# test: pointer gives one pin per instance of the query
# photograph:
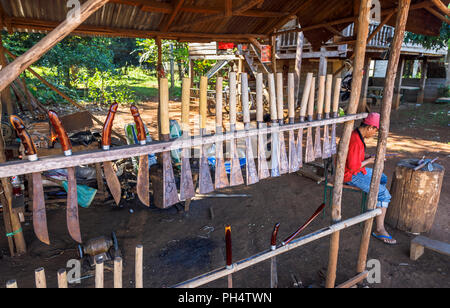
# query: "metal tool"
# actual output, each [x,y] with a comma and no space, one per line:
[320,102]
[250,167]
[303,108]
[293,158]
[170,193]
[275,146]
[99,249]
[205,183]
[73,223]
[273,260]
[187,190]
[263,168]
[326,153]
[284,162]
[309,151]
[39,215]
[143,180]
[221,177]
[336,98]
[110,175]
[236,173]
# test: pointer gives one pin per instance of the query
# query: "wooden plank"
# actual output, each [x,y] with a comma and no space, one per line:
[84,158]
[420,242]
[351,282]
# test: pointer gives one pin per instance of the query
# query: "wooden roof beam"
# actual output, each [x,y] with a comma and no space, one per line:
[438,15]
[442,7]
[177,5]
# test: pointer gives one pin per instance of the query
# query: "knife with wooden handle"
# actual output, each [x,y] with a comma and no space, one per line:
[236,173]
[293,159]
[143,181]
[251,172]
[336,99]
[205,182]
[326,153]
[284,162]
[320,102]
[73,222]
[309,151]
[39,215]
[275,146]
[263,168]
[110,175]
[170,193]
[303,107]
[221,177]
[187,190]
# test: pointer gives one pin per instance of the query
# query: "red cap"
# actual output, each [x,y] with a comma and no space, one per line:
[373,119]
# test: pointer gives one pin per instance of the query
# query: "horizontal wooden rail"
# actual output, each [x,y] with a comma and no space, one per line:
[223,272]
[15,168]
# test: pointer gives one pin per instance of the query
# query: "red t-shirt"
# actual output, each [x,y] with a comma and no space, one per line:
[355,157]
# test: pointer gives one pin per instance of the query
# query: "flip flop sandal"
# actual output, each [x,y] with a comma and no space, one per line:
[383,238]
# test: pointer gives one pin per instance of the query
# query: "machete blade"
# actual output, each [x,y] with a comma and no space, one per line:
[143,181]
[39,215]
[293,159]
[112,181]
[326,143]
[309,151]
[170,187]
[275,157]
[221,177]
[300,148]
[333,140]
[205,184]
[236,178]
[318,144]
[284,163]
[187,190]
[250,167]
[73,223]
[263,168]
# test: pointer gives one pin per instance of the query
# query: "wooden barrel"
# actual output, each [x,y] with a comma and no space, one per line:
[415,196]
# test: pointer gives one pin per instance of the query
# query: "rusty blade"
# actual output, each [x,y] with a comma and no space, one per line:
[263,168]
[112,181]
[275,157]
[221,177]
[300,148]
[318,144]
[326,153]
[73,222]
[333,140]
[250,167]
[293,159]
[284,162]
[170,187]
[143,181]
[39,215]
[309,151]
[187,190]
[205,183]
[235,173]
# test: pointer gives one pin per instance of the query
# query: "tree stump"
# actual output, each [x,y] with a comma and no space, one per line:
[415,196]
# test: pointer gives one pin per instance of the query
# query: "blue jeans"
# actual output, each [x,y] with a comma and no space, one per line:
[362,181]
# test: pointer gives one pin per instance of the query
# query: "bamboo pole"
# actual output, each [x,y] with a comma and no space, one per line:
[62,279]
[139,267]
[118,273]
[360,51]
[14,69]
[386,107]
[39,276]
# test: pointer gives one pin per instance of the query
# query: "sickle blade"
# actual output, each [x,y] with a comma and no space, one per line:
[39,215]
[73,222]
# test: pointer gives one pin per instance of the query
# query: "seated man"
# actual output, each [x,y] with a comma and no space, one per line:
[357,175]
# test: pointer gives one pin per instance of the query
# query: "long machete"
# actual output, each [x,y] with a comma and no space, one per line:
[221,177]
[336,99]
[111,177]
[143,180]
[73,222]
[275,156]
[263,168]
[284,163]
[293,156]
[326,153]
[236,173]
[39,215]
[320,101]
[303,107]
[309,151]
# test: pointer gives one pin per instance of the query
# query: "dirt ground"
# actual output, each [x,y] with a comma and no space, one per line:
[180,245]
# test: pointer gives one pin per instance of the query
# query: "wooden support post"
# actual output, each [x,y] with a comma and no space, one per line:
[358,65]
[398,86]
[14,69]
[363,103]
[298,64]
[402,17]
[118,273]
[323,63]
[423,81]
[274,54]
[6,93]
[139,267]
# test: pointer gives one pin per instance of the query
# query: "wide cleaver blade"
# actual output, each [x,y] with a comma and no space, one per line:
[221,177]
[143,181]
[187,190]
[113,181]
[251,172]
[39,215]
[73,223]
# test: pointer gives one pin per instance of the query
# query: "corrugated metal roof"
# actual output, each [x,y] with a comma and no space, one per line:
[133,20]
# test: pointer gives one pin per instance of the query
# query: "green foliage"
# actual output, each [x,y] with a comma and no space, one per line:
[431,42]
[444,91]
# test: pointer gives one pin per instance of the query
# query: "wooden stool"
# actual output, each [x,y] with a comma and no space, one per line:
[419,243]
